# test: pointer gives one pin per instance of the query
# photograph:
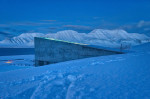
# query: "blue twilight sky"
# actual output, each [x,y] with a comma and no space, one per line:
[50,16]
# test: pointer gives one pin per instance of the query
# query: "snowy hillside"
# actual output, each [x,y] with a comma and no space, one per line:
[101,37]
[23,40]
[124,76]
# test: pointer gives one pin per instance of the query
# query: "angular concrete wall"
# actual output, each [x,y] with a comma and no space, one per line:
[48,51]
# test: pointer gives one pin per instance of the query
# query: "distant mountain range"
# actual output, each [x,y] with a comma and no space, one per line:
[100,37]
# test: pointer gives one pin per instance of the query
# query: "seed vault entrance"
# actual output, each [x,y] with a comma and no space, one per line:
[49,51]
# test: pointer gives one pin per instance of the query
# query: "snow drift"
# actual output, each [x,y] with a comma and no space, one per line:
[101,37]
[123,76]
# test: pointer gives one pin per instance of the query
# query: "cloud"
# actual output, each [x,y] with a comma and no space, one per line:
[14,30]
[78,27]
[48,29]
[3,25]
[25,24]
[3,33]
[52,28]
[147,29]
[6,34]
[48,20]
[139,27]
[29,24]
[143,23]
[96,17]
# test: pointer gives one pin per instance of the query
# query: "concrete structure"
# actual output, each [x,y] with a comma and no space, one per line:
[48,51]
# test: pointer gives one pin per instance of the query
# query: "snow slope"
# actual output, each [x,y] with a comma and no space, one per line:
[124,76]
[101,37]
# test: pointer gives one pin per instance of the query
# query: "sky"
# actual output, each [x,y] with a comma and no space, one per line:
[50,16]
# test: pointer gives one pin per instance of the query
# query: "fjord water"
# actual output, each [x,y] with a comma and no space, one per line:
[16,51]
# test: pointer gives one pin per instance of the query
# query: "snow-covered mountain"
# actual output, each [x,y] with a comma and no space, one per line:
[101,37]
[23,40]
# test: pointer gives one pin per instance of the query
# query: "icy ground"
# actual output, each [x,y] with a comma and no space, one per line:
[8,63]
[124,76]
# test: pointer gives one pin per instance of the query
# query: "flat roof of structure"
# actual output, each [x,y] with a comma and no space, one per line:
[62,41]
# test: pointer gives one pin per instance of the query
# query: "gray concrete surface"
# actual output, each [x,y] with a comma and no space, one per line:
[49,51]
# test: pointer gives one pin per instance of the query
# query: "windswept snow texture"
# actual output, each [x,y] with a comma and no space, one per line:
[101,37]
[124,76]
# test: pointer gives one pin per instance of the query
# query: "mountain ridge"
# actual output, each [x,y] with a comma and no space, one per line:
[100,37]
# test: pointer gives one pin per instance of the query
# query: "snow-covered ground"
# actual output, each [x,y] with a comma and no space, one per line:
[8,63]
[124,76]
